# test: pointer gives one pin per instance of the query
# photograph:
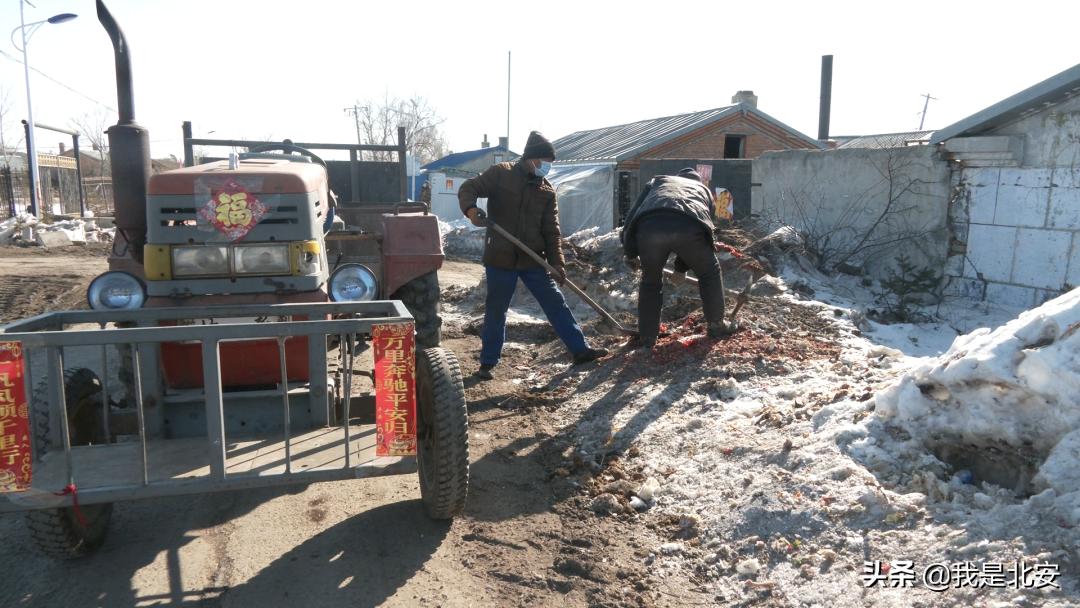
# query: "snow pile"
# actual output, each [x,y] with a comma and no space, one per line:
[1014,388]
[25,229]
[460,238]
[18,228]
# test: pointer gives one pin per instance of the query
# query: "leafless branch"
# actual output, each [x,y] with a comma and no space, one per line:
[377,123]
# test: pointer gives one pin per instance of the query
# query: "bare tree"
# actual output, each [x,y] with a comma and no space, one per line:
[8,144]
[92,126]
[868,222]
[377,124]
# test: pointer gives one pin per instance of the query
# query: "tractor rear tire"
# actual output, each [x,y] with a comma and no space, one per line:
[83,394]
[421,297]
[443,433]
[57,532]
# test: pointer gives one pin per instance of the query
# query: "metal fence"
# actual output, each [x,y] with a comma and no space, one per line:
[14,192]
[59,190]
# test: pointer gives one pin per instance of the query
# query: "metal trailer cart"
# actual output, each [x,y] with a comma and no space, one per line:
[371,406]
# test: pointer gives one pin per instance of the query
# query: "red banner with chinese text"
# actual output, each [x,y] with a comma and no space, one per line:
[15,454]
[395,389]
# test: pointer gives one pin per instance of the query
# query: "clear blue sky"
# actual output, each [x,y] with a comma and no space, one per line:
[256,69]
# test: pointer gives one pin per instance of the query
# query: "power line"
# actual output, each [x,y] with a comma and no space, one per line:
[19,61]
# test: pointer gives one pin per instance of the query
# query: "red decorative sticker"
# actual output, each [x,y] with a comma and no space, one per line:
[395,389]
[232,210]
[15,454]
[705,171]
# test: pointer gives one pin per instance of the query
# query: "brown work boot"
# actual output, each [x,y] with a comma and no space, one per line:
[589,354]
[722,329]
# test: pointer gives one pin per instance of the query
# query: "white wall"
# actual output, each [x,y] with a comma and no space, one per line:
[444,200]
[1019,227]
[1022,234]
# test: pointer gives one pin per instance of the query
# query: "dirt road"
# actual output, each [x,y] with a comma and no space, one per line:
[35,280]
[527,536]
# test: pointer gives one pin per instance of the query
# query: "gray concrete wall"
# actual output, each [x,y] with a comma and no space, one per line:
[836,196]
[1051,137]
[1017,229]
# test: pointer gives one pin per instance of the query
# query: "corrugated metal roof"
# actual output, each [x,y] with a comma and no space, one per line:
[885,140]
[1053,90]
[621,142]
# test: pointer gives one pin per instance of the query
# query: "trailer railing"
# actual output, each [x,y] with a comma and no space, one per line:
[56,332]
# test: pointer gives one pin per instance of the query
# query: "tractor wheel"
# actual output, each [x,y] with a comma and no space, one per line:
[421,297]
[58,532]
[443,433]
[82,392]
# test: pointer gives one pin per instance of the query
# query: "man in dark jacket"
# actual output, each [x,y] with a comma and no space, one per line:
[522,201]
[674,214]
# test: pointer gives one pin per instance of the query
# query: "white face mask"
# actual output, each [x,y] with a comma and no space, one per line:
[543,169]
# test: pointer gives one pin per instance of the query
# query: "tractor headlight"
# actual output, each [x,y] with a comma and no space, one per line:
[262,259]
[116,291]
[353,283]
[201,260]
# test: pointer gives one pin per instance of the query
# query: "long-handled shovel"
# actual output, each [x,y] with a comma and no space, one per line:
[740,300]
[568,282]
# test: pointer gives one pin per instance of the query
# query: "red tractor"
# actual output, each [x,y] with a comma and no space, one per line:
[259,331]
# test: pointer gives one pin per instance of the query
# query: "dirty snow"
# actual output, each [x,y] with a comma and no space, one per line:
[24,229]
[878,444]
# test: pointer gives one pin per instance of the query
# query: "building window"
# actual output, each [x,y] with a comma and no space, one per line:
[734,146]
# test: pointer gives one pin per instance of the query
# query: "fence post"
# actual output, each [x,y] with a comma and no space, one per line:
[78,174]
[9,190]
[30,170]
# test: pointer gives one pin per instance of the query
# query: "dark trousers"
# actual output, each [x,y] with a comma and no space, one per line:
[658,236]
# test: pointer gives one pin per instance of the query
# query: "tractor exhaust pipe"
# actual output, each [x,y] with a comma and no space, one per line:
[129,146]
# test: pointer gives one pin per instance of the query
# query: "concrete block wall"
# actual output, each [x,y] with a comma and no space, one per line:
[840,193]
[1022,235]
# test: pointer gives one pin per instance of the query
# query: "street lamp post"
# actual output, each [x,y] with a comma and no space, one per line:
[27,30]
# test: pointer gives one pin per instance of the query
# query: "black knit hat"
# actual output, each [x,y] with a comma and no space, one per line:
[538,146]
[689,174]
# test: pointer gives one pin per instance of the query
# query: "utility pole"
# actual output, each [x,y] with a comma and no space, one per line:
[927,103]
[507,100]
[355,111]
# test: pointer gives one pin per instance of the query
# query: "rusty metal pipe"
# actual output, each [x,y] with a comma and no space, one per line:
[129,145]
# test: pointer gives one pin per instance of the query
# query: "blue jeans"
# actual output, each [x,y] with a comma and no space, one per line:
[500,289]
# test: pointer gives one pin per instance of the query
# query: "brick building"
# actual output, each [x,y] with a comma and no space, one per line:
[727,138]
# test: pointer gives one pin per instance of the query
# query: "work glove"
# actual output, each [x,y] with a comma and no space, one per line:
[477,217]
[559,276]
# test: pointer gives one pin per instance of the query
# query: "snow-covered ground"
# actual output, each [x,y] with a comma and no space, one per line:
[844,462]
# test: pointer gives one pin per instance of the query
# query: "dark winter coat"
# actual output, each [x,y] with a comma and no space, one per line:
[525,206]
[669,194]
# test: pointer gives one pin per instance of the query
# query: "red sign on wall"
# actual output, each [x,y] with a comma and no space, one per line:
[15,454]
[395,389]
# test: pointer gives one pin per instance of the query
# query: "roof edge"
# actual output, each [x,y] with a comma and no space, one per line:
[724,112]
[1051,88]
